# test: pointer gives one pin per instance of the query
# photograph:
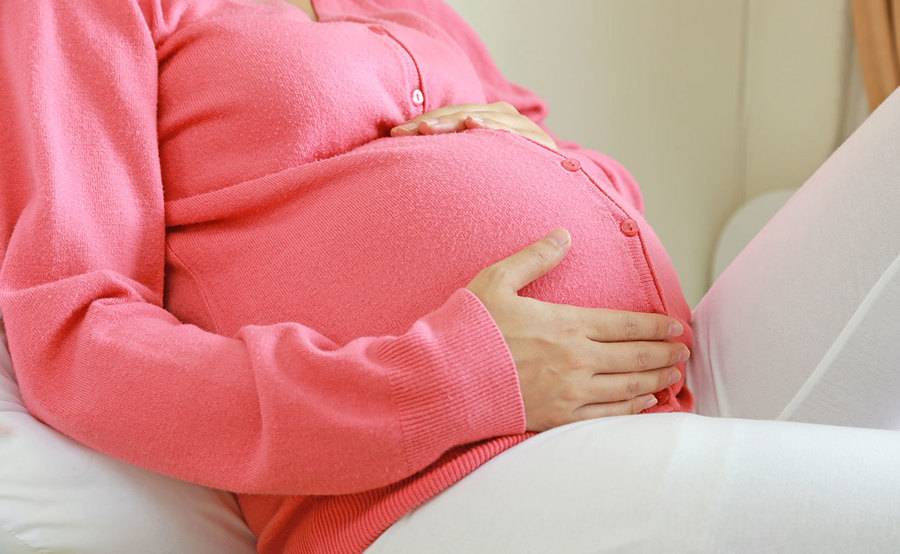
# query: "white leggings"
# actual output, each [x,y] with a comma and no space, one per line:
[796,370]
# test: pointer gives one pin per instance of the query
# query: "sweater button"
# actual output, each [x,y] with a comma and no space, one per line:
[629,227]
[571,164]
[417,97]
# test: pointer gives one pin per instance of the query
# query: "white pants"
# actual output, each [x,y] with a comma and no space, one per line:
[796,369]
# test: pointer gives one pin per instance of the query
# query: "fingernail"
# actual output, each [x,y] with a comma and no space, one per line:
[559,236]
[649,403]
[442,125]
[684,355]
[402,132]
[674,376]
[675,329]
[426,128]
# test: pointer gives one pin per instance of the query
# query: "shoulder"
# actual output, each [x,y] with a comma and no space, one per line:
[101,20]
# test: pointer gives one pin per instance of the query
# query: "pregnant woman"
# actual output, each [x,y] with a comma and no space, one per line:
[225,259]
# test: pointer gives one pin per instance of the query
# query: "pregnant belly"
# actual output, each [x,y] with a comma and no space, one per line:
[367,242]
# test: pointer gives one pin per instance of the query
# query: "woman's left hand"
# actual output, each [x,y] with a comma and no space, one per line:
[450,119]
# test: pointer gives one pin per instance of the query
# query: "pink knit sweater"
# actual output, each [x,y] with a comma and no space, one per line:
[218,265]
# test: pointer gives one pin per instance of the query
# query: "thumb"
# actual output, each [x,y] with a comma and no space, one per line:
[536,259]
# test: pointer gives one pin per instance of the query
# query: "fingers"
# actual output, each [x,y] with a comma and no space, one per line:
[456,113]
[527,264]
[517,124]
[479,119]
[445,124]
[492,118]
[607,325]
[491,121]
[615,387]
[461,121]
[623,357]
[624,407]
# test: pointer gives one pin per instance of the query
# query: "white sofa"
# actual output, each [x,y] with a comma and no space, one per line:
[57,496]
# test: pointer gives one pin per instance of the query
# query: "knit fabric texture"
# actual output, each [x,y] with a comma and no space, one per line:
[218,265]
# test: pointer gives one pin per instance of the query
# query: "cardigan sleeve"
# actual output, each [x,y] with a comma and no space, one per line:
[498,87]
[274,409]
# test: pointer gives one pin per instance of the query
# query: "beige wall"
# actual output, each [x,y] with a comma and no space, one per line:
[707,102]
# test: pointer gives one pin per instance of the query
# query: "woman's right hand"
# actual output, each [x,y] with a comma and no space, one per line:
[574,362]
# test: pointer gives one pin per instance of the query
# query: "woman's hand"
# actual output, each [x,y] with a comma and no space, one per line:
[576,363]
[449,119]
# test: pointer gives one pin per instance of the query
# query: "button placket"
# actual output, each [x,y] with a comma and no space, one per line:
[416,95]
[629,227]
[571,164]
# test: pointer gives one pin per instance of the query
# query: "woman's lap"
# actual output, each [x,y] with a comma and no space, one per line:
[671,482]
[801,327]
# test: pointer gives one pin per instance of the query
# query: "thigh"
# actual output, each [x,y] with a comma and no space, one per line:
[769,332]
[674,482]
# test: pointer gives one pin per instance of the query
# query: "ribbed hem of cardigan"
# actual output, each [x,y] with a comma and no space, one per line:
[456,380]
[350,523]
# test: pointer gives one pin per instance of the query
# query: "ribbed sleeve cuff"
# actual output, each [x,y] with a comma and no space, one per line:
[455,379]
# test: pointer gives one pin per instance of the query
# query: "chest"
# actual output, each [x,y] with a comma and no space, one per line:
[252,89]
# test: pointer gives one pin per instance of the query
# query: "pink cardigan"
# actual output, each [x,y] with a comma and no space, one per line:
[219,266]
